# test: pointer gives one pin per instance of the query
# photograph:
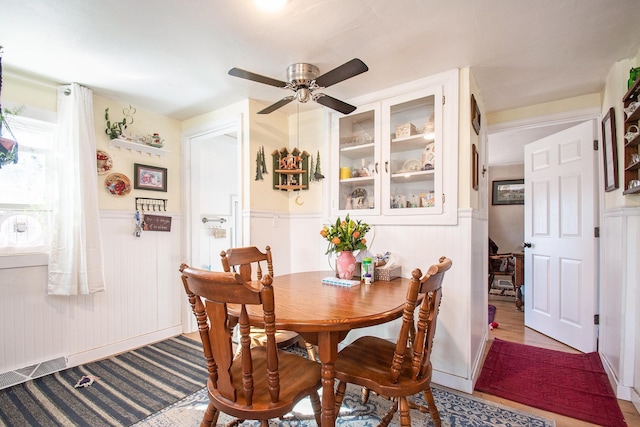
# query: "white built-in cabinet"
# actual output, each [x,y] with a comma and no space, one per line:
[394,160]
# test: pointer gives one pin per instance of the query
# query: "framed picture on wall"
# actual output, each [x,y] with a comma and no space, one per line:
[610,151]
[475,115]
[474,167]
[508,192]
[150,178]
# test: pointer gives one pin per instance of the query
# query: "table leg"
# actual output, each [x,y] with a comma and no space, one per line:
[328,353]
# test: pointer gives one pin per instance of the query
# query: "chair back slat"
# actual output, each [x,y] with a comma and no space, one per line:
[242,260]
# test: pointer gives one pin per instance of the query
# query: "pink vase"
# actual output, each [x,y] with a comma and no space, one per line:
[346,265]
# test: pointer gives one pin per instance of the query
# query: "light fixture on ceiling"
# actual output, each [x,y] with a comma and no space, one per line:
[270,5]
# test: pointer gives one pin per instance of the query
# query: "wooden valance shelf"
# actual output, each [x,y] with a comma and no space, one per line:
[123,144]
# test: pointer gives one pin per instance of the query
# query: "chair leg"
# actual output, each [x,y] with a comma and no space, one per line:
[311,350]
[317,407]
[342,386]
[405,417]
[210,418]
[384,422]
[433,409]
[264,423]
[364,397]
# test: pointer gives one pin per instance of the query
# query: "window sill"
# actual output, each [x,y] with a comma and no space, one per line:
[23,260]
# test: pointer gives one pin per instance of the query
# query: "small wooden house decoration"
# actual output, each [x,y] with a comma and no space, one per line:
[291,170]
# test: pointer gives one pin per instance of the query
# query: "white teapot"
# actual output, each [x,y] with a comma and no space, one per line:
[632,132]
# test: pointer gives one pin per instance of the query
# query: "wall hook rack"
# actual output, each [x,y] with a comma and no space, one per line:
[143,203]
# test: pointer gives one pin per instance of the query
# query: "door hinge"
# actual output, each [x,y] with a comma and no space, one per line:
[596,232]
[596,319]
[595,145]
[443,198]
[444,99]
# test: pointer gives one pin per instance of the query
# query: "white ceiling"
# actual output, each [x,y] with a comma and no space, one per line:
[172,57]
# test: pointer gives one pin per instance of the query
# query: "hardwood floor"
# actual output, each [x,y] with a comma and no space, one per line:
[511,328]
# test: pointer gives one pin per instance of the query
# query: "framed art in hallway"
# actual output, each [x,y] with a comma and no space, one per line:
[150,178]
[610,151]
[508,192]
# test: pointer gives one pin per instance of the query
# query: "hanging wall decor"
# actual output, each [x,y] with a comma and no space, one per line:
[291,170]
[8,146]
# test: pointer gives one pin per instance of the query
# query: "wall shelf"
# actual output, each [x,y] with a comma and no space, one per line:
[123,144]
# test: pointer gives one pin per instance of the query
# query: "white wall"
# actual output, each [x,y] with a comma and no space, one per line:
[138,307]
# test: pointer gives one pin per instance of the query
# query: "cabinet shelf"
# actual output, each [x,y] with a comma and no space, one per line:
[416,176]
[631,147]
[411,142]
[633,167]
[632,190]
[635,141]
[357,179]
[357,151]
[290,187]
[291,171]
[123,144]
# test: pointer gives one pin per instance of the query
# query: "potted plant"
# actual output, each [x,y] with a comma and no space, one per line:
[8,146]
[115,130]
[344,237]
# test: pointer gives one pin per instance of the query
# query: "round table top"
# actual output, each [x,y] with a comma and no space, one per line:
[304,304]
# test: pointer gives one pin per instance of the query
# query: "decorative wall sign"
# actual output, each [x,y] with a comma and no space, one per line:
[157,223]
[149,178]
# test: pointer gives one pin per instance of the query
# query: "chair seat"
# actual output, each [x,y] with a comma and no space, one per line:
[357,364]
[298,378]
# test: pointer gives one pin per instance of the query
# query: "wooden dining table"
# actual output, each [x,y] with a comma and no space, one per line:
[324,314]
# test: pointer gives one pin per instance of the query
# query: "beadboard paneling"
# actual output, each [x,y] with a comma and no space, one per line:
[141,303]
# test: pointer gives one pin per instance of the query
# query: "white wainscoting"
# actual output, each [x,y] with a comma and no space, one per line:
[462,326]
[141,304]
[619,338]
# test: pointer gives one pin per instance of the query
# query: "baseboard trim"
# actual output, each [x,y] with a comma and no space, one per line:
[122,346]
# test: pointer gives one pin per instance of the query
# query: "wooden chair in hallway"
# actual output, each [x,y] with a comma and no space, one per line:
[242,261]
[401,369]
[260,382]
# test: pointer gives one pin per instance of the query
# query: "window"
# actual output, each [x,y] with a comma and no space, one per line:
[25,193]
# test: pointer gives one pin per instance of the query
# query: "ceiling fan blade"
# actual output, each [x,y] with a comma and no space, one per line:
[343,72]
[334,104]
[284,101]
[243,74]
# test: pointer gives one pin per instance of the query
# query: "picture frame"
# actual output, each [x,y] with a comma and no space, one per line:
[475,115]
[474,167]
[508,192]
[610,151]
[149,178]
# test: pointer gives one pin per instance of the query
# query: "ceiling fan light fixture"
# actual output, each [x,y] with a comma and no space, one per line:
[270,5]
[303,95]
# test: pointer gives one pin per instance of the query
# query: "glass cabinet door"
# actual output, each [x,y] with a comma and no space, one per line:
[358,162]
[412,163]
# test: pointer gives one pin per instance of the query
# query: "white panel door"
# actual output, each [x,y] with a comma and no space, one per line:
[560,216]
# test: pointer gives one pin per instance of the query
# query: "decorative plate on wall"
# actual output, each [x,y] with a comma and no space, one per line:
[104,162]
[118,184]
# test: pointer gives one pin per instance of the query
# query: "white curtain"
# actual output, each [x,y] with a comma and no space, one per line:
[75,262]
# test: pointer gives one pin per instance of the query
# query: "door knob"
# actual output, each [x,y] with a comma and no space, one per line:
[526,244]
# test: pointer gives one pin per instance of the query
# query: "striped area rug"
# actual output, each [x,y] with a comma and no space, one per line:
[130,387]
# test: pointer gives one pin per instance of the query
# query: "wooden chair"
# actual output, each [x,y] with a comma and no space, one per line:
[240,260]
[501,264]
[401,369]
[261,382]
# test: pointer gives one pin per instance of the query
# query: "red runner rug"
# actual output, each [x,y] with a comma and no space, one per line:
[574,385]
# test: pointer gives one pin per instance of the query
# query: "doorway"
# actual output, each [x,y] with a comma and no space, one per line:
[505,160]
[213,196]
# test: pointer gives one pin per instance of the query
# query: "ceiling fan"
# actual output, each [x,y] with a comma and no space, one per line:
[304,80]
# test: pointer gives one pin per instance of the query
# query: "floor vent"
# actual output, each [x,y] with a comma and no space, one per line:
[11,378]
